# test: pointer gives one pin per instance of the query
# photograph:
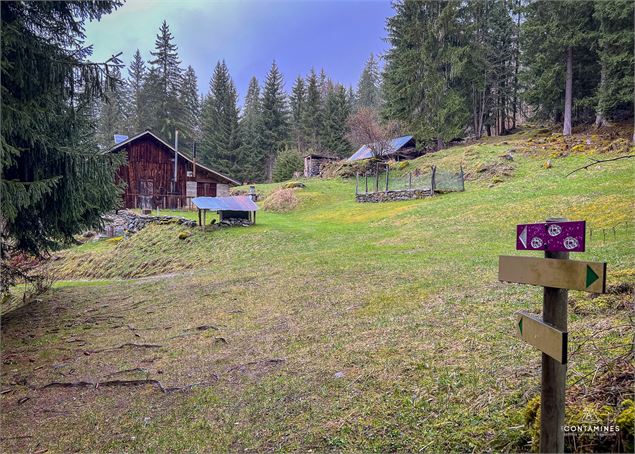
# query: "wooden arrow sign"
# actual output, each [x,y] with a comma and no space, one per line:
[543,336]
[569,274]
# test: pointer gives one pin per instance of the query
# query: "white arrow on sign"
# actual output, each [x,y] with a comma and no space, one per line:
[523,237]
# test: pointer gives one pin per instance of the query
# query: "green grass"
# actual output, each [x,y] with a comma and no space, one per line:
[400,300]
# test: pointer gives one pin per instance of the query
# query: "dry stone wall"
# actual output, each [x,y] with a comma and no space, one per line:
[392,196]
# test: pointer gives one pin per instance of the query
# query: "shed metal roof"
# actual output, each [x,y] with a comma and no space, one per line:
[235,203]
[365,152]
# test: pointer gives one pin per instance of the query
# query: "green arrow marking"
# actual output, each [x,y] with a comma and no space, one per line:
[520,325]
[591,276]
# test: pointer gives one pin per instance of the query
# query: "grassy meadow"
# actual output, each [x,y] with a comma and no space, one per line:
[336,326]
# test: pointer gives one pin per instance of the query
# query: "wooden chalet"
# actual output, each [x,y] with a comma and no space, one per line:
[154,180]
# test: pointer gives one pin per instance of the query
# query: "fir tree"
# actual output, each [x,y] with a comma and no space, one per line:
[274,118]
[137,103]
[352,100]
[312,117]
[165,80]
[615,45]
[560,67]
[424,87]
[189,98]
[251,152]
[220,142]
[297,103]
[113,117]
[368,88]
[54,182]
[336,117]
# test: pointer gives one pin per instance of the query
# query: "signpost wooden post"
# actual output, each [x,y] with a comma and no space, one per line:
[557,274]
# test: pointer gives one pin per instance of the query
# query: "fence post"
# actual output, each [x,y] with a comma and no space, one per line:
[432,180]
[410,180]
[462,178]
[367,182]
[356,182]
[377,177]
[387,176]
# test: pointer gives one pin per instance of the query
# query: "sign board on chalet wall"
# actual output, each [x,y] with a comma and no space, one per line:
[190,189]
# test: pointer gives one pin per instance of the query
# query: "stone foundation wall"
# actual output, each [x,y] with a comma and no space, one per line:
[392,196]
[126,222]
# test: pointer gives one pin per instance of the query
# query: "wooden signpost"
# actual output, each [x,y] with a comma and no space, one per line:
[557,274]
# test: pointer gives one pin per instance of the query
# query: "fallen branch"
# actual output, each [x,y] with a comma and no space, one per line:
[127,344]
[116,383]
[598,161]
[196,330]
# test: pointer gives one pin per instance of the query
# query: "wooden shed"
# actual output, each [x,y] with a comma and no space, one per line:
[157,176]
[313,163]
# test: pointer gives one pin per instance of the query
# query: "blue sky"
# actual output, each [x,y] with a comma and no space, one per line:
[336,35]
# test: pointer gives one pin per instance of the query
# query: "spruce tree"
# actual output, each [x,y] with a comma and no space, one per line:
[423,80]
[352,100]
[274,118]
[615,47]
[297,102]
[54,182]
[560,65]
[369,86]
[113,113]
[336,117]
[312,119]
[220,141]
[165,80]
[137,102]
[189,97]
[251,151]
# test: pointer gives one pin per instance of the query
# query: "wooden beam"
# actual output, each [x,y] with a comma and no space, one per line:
[548,339]
[564,274]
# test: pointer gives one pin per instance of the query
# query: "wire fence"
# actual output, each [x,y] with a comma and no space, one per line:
[432,179]
[603,236]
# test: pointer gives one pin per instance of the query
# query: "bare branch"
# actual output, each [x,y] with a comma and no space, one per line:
[598,161]
[366,129]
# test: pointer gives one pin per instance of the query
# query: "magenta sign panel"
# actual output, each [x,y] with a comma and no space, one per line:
[551,236]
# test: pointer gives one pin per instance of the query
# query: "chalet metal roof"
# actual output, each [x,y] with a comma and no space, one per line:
[365,152]
[184,156]
[235,203]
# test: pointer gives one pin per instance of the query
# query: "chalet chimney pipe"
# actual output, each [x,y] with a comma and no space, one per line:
[194,160]
[176,155]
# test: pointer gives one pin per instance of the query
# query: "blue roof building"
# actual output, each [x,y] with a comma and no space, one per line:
[397,147]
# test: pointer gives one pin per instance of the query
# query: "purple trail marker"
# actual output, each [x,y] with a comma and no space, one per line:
[566,236]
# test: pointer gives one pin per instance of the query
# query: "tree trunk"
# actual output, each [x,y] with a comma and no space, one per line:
[600,119]
[568,93]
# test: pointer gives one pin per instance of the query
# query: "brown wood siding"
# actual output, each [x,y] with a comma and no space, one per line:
[151,167]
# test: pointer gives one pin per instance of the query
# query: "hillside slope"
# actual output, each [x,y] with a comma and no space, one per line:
[335,326]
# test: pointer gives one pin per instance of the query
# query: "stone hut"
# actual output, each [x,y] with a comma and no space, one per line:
[313,163]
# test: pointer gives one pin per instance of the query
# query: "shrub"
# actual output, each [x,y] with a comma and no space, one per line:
[287,163]
[281,200]
[293,184]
